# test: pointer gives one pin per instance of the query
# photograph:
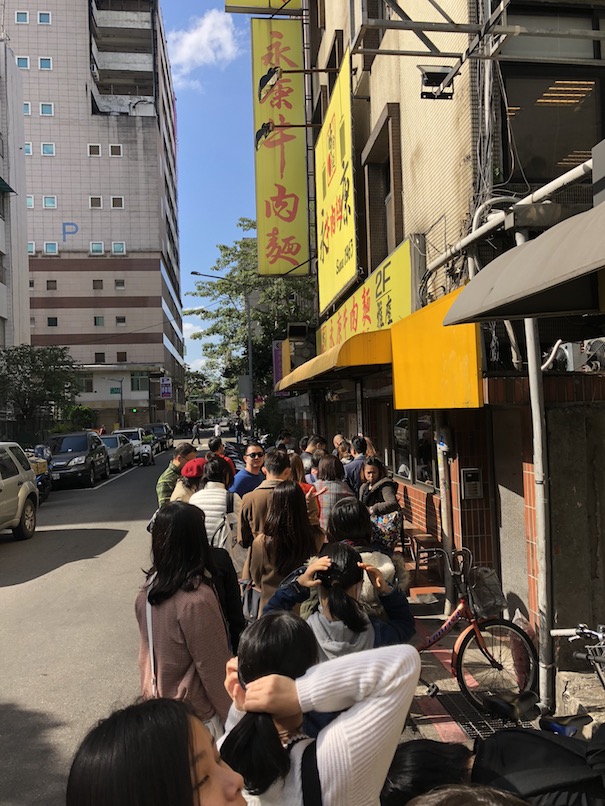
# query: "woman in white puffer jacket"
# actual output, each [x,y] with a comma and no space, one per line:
[220,507]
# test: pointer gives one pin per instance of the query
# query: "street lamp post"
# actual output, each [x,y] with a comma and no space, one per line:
[250,394]
[121,412]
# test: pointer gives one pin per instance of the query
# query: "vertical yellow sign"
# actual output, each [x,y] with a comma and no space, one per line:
[282,209]
[263,6]
[334,192]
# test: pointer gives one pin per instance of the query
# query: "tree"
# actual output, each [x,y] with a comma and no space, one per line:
[199,387]
[274,301]
[33,379]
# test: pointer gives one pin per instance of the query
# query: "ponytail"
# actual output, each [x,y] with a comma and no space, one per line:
[343,573]
[254,749]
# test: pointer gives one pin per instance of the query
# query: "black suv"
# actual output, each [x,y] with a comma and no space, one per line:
[80,457]
[163,434]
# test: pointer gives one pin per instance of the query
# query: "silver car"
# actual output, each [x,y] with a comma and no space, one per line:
[120,451]
[18,492]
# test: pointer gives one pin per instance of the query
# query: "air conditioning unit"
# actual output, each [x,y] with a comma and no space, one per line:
[571,356]
[594,355]
[95,71]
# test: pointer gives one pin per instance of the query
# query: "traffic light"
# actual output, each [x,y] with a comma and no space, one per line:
[134,411]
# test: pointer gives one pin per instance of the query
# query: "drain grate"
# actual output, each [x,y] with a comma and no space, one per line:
[474,722]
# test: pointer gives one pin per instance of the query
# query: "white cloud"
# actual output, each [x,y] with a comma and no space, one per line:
[189,328]
[209,40]
[197,365]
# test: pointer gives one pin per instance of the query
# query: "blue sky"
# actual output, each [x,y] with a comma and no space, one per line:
[210,57]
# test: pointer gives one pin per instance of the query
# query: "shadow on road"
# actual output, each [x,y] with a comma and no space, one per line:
[51,549]
[31,771]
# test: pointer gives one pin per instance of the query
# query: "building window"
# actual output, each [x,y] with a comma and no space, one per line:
[99,321]
[32,321]
[117,202]
[139,382]
[86,384]
[31,283]
[118,248]
[94,150]
[115,150]
[47,149]
[95,202]
[44,18]
[121,357]
[45,63]
[97,248]
[49,202]
[27,149]
[51,285]
[121,321]
[29,202]
[97,285]
[22,17]
[52,321]
[27,108]
[119,285]
[415,449]
[23,62]
[47,109]
[99,358]
[51,248]
[31,250]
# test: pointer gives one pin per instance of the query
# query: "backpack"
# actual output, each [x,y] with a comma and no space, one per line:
[221,536]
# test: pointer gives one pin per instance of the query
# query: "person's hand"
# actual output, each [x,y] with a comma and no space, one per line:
[376,577]
[307,580]
[233,686]
[273,694]
[315,493]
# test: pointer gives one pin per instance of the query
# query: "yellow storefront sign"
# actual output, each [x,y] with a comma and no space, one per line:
[334,193]
[385,298]
[282,209]
[263,6]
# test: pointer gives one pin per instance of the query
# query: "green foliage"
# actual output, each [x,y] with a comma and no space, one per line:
[274,301]
[80,417]
[36,380]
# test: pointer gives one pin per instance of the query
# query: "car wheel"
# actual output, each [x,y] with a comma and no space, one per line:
[27,524]
[120,468]
[92,477]
[107,469]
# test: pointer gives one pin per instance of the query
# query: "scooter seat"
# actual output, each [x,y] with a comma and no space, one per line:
[515,707]
[565,725]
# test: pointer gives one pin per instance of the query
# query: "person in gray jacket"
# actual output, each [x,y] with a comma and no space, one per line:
[378,492]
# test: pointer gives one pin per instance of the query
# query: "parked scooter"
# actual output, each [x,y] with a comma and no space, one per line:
[43,477]
[146,454]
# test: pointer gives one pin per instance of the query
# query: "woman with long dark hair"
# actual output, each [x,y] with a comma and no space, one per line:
[286,542]
[220,507]
[330,475]
[154,753]
[273,686]
[180,608]
[339,623]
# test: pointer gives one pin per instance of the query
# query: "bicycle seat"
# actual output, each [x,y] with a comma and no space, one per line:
[516,707]
[565,725]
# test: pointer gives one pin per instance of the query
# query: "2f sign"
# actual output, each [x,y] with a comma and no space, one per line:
[69,228]
[382,277]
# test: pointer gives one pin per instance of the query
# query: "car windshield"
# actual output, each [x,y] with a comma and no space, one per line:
[68,444]
[157,429]
[111,442]
[131,435]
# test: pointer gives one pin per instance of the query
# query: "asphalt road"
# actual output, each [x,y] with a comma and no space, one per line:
[68,635]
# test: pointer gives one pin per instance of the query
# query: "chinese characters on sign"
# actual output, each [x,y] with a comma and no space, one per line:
[336,241]
[385,298]
[282,210]
[165,387]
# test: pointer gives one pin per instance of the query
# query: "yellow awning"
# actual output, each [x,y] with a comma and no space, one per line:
[363,350]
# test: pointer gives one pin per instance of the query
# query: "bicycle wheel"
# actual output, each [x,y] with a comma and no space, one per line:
[514,667]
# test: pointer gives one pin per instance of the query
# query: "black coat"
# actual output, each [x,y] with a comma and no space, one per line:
[227,588]
[382,497]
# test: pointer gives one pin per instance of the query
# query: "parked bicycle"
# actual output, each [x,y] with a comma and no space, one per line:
[491,656]
[593,653]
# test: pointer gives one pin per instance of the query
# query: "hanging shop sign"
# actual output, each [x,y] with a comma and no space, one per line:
[282,208]
[385,298]
[290,7]
[334,193]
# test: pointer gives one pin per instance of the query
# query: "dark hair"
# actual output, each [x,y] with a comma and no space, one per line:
[373,461]
[421,765]
[349,520]
[214,443]
[316,439]
[343,573]
[253,444]
[303,442]
[276,461]
[359,444]
[180,551]
[216,469]
[138,756]
[297,470]
[183,449]
[289,536]
[317,456]
[467,796]
[330,469]
[278,643]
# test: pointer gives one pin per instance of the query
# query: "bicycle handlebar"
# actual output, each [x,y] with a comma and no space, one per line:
[580,631]
[564,633]
[580,655]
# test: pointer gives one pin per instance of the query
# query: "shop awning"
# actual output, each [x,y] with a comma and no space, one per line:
[552,275]
[363,350]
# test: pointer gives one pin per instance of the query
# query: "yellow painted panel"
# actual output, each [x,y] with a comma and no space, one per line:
[263,6]
[282,208]
[334,193]
[436,367]
[384,298]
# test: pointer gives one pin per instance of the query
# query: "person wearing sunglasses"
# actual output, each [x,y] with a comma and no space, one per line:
[251,476]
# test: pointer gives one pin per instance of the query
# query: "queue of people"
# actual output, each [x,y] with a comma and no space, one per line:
[304,702]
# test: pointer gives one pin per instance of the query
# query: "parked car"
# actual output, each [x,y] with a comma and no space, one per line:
[18,492]
[162,432]
[135,435]
[80,457]
[120,451]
